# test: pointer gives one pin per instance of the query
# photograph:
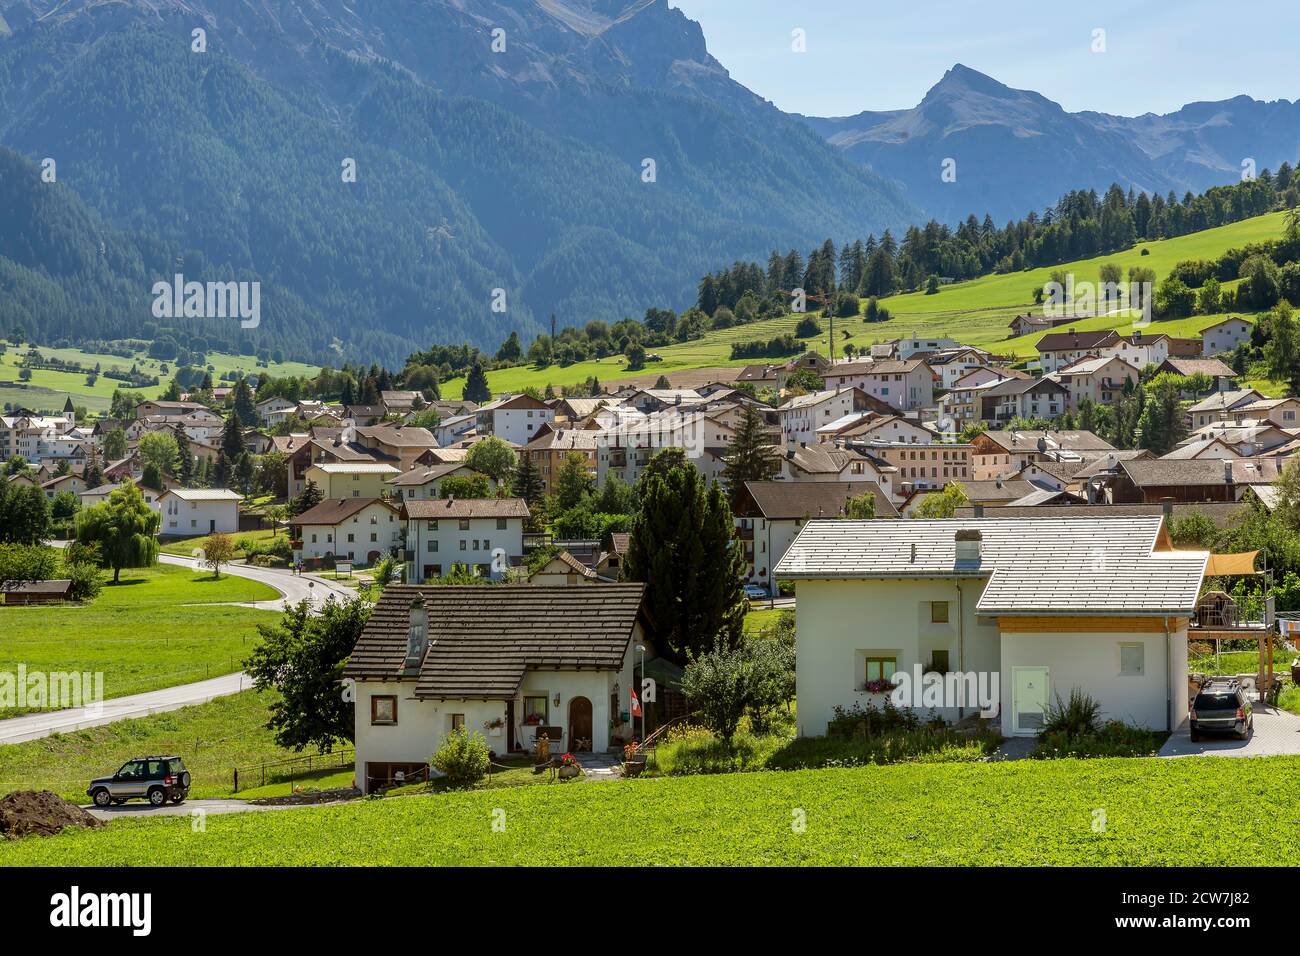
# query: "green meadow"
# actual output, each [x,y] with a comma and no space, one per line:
[157,628]
[1021,813]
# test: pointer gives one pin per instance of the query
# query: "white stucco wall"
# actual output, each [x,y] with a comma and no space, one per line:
[840,623]
[191,518]
[1091,662]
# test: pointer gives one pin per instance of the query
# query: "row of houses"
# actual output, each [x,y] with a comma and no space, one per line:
[879,602]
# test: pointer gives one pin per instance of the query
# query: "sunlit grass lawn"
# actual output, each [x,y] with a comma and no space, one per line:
[1017,813]
[185,547]
[139,633]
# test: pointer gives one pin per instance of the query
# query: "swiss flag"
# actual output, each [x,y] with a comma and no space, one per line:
[636,704]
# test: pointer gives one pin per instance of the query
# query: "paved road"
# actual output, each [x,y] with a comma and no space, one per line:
[139,808]
[1276,733]
[292,587]
[34,726]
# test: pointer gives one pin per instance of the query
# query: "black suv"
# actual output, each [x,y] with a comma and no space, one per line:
[1222,706]
[156,779]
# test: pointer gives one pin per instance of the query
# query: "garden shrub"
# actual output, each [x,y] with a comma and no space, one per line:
[86,581]
[28,562]
[697,751]
[463,757]
[1073,728]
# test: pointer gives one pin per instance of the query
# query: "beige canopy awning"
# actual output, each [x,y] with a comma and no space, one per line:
[1231,565]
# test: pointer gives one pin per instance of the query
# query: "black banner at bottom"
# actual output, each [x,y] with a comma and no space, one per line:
[309,905]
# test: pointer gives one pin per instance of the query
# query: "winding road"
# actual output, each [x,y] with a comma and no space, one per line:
[292,587]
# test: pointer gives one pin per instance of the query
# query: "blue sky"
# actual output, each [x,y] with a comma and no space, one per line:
[864,54]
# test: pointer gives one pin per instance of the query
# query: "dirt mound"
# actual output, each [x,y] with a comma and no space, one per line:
[38,811]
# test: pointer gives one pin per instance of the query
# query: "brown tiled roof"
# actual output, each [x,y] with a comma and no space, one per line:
[620,541]
[483,639]
[399,436]
[334,510]
[997,489]
[573,564]
[1202,366]
[55,586]
[1222,513]
[466,508]
[812,499]
[1201,471]
[561,437]
[421,476]
[1059,341]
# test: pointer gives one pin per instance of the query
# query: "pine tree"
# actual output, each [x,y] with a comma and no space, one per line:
[750,457]
[311,496]
[476,384]
[682,546]
[185,458]
[242,399]
[244,473]
[232,439]
[574,482]
[527,483]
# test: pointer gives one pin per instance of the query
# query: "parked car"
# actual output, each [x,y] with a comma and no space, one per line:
[1221,706]
[156,779]
[756,593]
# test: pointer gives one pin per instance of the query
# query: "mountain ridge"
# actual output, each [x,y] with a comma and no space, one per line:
[986,127]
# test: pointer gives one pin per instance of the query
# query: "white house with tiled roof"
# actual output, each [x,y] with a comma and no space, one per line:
[189,512]
[509,663]
[975,601]
[484,534]
[1224,336]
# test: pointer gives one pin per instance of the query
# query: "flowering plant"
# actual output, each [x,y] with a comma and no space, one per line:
[569,760]
[630,750]
[532,720]
[879,686]
[494,723]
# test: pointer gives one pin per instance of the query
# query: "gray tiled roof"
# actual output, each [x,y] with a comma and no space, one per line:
[1034,565]
[483,639]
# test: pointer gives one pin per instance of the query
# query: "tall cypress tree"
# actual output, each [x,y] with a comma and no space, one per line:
[682,547]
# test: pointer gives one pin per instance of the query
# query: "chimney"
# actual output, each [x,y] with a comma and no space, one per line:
[789,449]
[969,543]
[417,634]
[1167,506]
[979,511]
[1227,471]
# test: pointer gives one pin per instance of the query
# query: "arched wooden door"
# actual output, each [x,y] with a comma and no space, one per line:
[580,724]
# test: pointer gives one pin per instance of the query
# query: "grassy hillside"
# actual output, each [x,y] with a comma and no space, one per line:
[1023,813]
[48,390]
[975,312]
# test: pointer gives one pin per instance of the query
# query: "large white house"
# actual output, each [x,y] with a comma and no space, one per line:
[514,419]
[481,533]
[506,661]
[349,529]
[1045,604]
[188,512]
